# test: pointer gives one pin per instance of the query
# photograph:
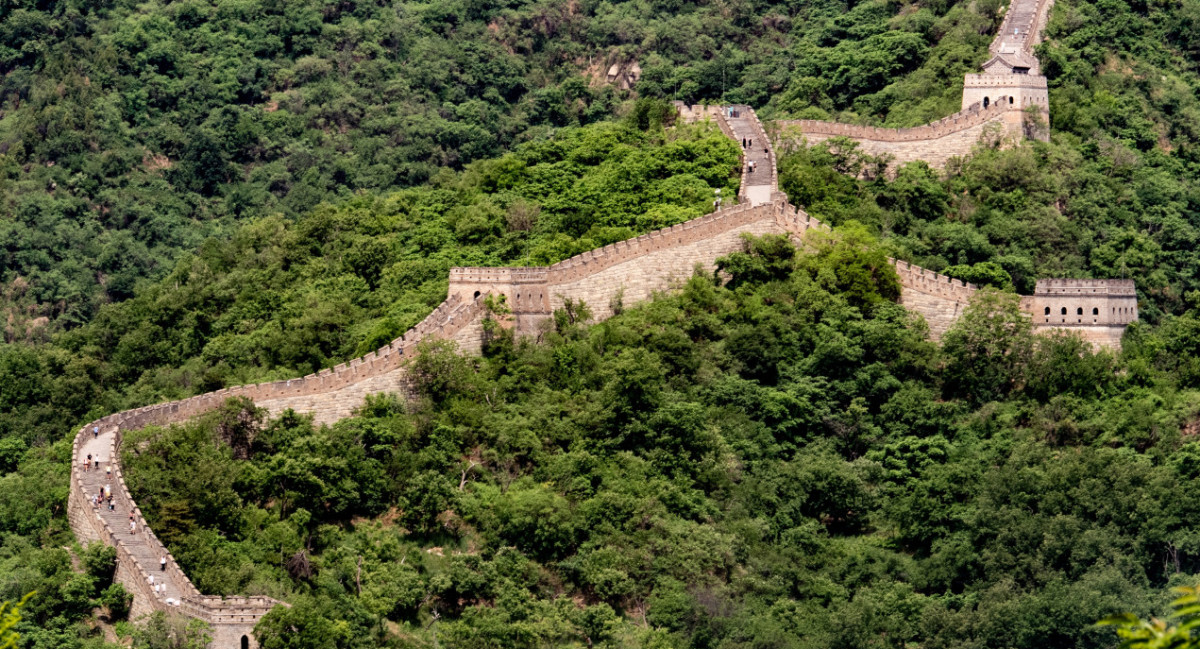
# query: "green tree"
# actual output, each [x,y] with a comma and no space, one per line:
[171,631]
[1177,631]
[10,617]
[988,348]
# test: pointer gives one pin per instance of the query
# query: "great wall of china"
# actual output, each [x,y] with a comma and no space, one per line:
[627,271]
[1009,101]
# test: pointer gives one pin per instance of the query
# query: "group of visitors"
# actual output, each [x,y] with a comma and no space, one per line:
[94,463]
[104,498]
[159,587]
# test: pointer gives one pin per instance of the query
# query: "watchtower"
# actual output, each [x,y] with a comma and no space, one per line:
[1084,302]
[1007,83]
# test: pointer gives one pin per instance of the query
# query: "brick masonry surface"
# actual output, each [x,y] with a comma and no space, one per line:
[627,272]
[996,104]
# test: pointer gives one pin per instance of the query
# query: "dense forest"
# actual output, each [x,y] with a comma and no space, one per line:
[132,131]
[777,460]
[202,194]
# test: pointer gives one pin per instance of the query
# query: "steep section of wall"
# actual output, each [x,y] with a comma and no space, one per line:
[757,185]
[154,586]
[1010,86]
[739,129]
[329,395]
[1022,27]
[630,271]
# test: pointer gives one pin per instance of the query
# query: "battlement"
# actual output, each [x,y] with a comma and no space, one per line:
[633,270]
[988,98]
[927,281]
[1088,287]
[1030,81]
[1064,303]
[973,115]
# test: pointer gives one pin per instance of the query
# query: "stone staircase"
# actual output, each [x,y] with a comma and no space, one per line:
[1022,27]
[759,185]
[140,543]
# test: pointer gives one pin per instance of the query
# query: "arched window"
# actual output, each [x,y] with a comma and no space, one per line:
[1010,101]
[1095,311]
[477,295]
[1047,310]
[1064,310]
[986,101]
[245,642]
[1079,311]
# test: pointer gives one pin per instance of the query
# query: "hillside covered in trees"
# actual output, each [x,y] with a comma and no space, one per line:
[202,194]
[130,132]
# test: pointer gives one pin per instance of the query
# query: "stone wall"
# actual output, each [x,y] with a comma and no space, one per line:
[1084,302]
[1024,90]
[133,569]
[329,395]
[938,298]
[634,270]
[645,266]
[698,113]
[1022,26]
[990,98]
[936,143]
[638,268]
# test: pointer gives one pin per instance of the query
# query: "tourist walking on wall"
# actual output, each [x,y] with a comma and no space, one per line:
[162,563]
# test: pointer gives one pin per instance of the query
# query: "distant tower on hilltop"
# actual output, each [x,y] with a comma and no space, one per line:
[1010,94]
[1013,74]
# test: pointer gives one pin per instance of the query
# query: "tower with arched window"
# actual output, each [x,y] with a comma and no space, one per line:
[1100,309]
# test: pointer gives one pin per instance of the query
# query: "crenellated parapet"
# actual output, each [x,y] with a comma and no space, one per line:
[927,281]
[1011,93]
[607,278]
[139,551]
[1097,309]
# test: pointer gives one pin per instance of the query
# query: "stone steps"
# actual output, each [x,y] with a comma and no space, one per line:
[757,187]
[137,544]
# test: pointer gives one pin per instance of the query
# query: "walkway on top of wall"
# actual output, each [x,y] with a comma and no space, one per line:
[139,543]
[760,183]
[139,552]
[1022,26]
